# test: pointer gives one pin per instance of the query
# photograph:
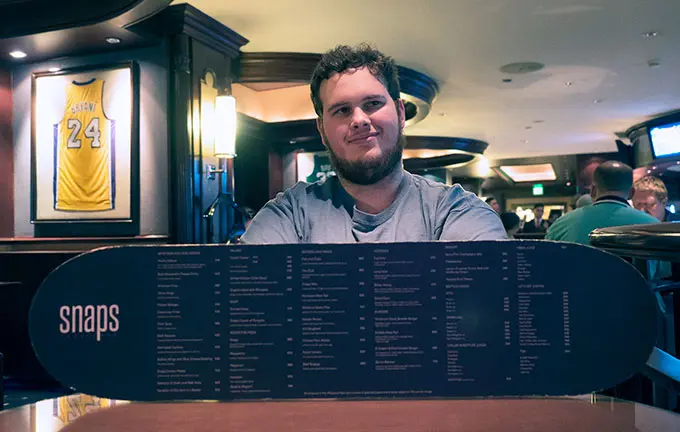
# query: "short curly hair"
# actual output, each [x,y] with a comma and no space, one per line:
[344,57]
[652,184]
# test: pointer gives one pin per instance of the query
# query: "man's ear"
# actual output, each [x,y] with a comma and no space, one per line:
[593,191]
[401,112]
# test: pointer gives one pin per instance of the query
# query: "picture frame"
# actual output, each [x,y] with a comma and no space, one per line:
[85,151]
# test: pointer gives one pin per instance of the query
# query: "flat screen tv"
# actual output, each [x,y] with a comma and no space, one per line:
[665,140]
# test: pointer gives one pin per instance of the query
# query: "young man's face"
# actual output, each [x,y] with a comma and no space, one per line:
[650,204]
[495,206]
[361,126]
[538,212]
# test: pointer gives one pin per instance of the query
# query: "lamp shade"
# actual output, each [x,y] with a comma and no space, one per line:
[225,127]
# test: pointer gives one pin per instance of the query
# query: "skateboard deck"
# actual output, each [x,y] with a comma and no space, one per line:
[387,320]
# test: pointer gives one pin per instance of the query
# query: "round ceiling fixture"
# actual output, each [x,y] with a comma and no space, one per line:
[522,68]
[112,40]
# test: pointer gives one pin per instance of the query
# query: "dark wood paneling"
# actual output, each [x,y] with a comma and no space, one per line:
[275,174]
[181,142]
[252,172]
[276,67]
[186,19]
[6,156]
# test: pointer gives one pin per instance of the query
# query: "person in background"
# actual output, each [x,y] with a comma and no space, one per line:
[584,200]
[651,197]
[493,203]
[537,225]
[510,223]
[554,215]
[361,119]
[612,187]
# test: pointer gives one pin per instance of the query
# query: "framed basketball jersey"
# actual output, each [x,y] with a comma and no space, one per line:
[84,153]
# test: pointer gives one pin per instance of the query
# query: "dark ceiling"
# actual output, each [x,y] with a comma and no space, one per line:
[58,28]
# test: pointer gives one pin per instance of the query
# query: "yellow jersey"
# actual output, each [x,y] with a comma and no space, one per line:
[84,151]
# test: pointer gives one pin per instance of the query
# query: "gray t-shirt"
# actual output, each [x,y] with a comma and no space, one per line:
[423,210]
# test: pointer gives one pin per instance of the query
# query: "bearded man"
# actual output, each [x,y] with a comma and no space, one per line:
[361,118]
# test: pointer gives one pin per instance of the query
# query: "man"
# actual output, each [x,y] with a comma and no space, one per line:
[493,203]
[355,92]
[537,225]
[612,187]
[651,196]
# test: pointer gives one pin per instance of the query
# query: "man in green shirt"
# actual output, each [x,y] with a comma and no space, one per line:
[612,187]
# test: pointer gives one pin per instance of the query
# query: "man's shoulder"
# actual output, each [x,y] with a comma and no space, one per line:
[449,195]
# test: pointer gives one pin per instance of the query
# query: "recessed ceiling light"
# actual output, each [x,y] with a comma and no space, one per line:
[507,80]
[18,54]
[597,101]
[654,63]
[443,114]
[112,40]
[650,34]
[539,121]
[54,69]
[527,127]
[525,141]
[568,83]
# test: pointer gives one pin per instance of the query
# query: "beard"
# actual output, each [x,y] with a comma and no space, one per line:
[367,172]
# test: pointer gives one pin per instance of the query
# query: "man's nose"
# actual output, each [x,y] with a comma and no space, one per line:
[359,119]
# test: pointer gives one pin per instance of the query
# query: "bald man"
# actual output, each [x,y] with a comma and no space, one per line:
[611,189]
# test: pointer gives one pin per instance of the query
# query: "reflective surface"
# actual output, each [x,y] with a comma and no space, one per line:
[86,413]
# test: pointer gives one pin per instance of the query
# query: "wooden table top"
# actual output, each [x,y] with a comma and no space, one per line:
[79,413]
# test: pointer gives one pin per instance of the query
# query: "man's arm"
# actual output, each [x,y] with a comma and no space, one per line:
[470,219]
[274,223]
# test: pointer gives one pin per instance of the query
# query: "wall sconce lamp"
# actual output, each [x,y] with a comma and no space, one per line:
[225,127]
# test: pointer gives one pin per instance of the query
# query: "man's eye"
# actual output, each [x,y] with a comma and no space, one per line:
[374,104]
[341,111]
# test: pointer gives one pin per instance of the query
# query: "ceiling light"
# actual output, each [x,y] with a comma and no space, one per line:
[529,173]
[654,63]
[18,54]
[525,141]
[568,83]
[568,184]
[442,114]
[507,80]
[539,121]
[649,171]
[527,127]
[112,40]
[650,34]
[653,167]
[54,69]
[597,101]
